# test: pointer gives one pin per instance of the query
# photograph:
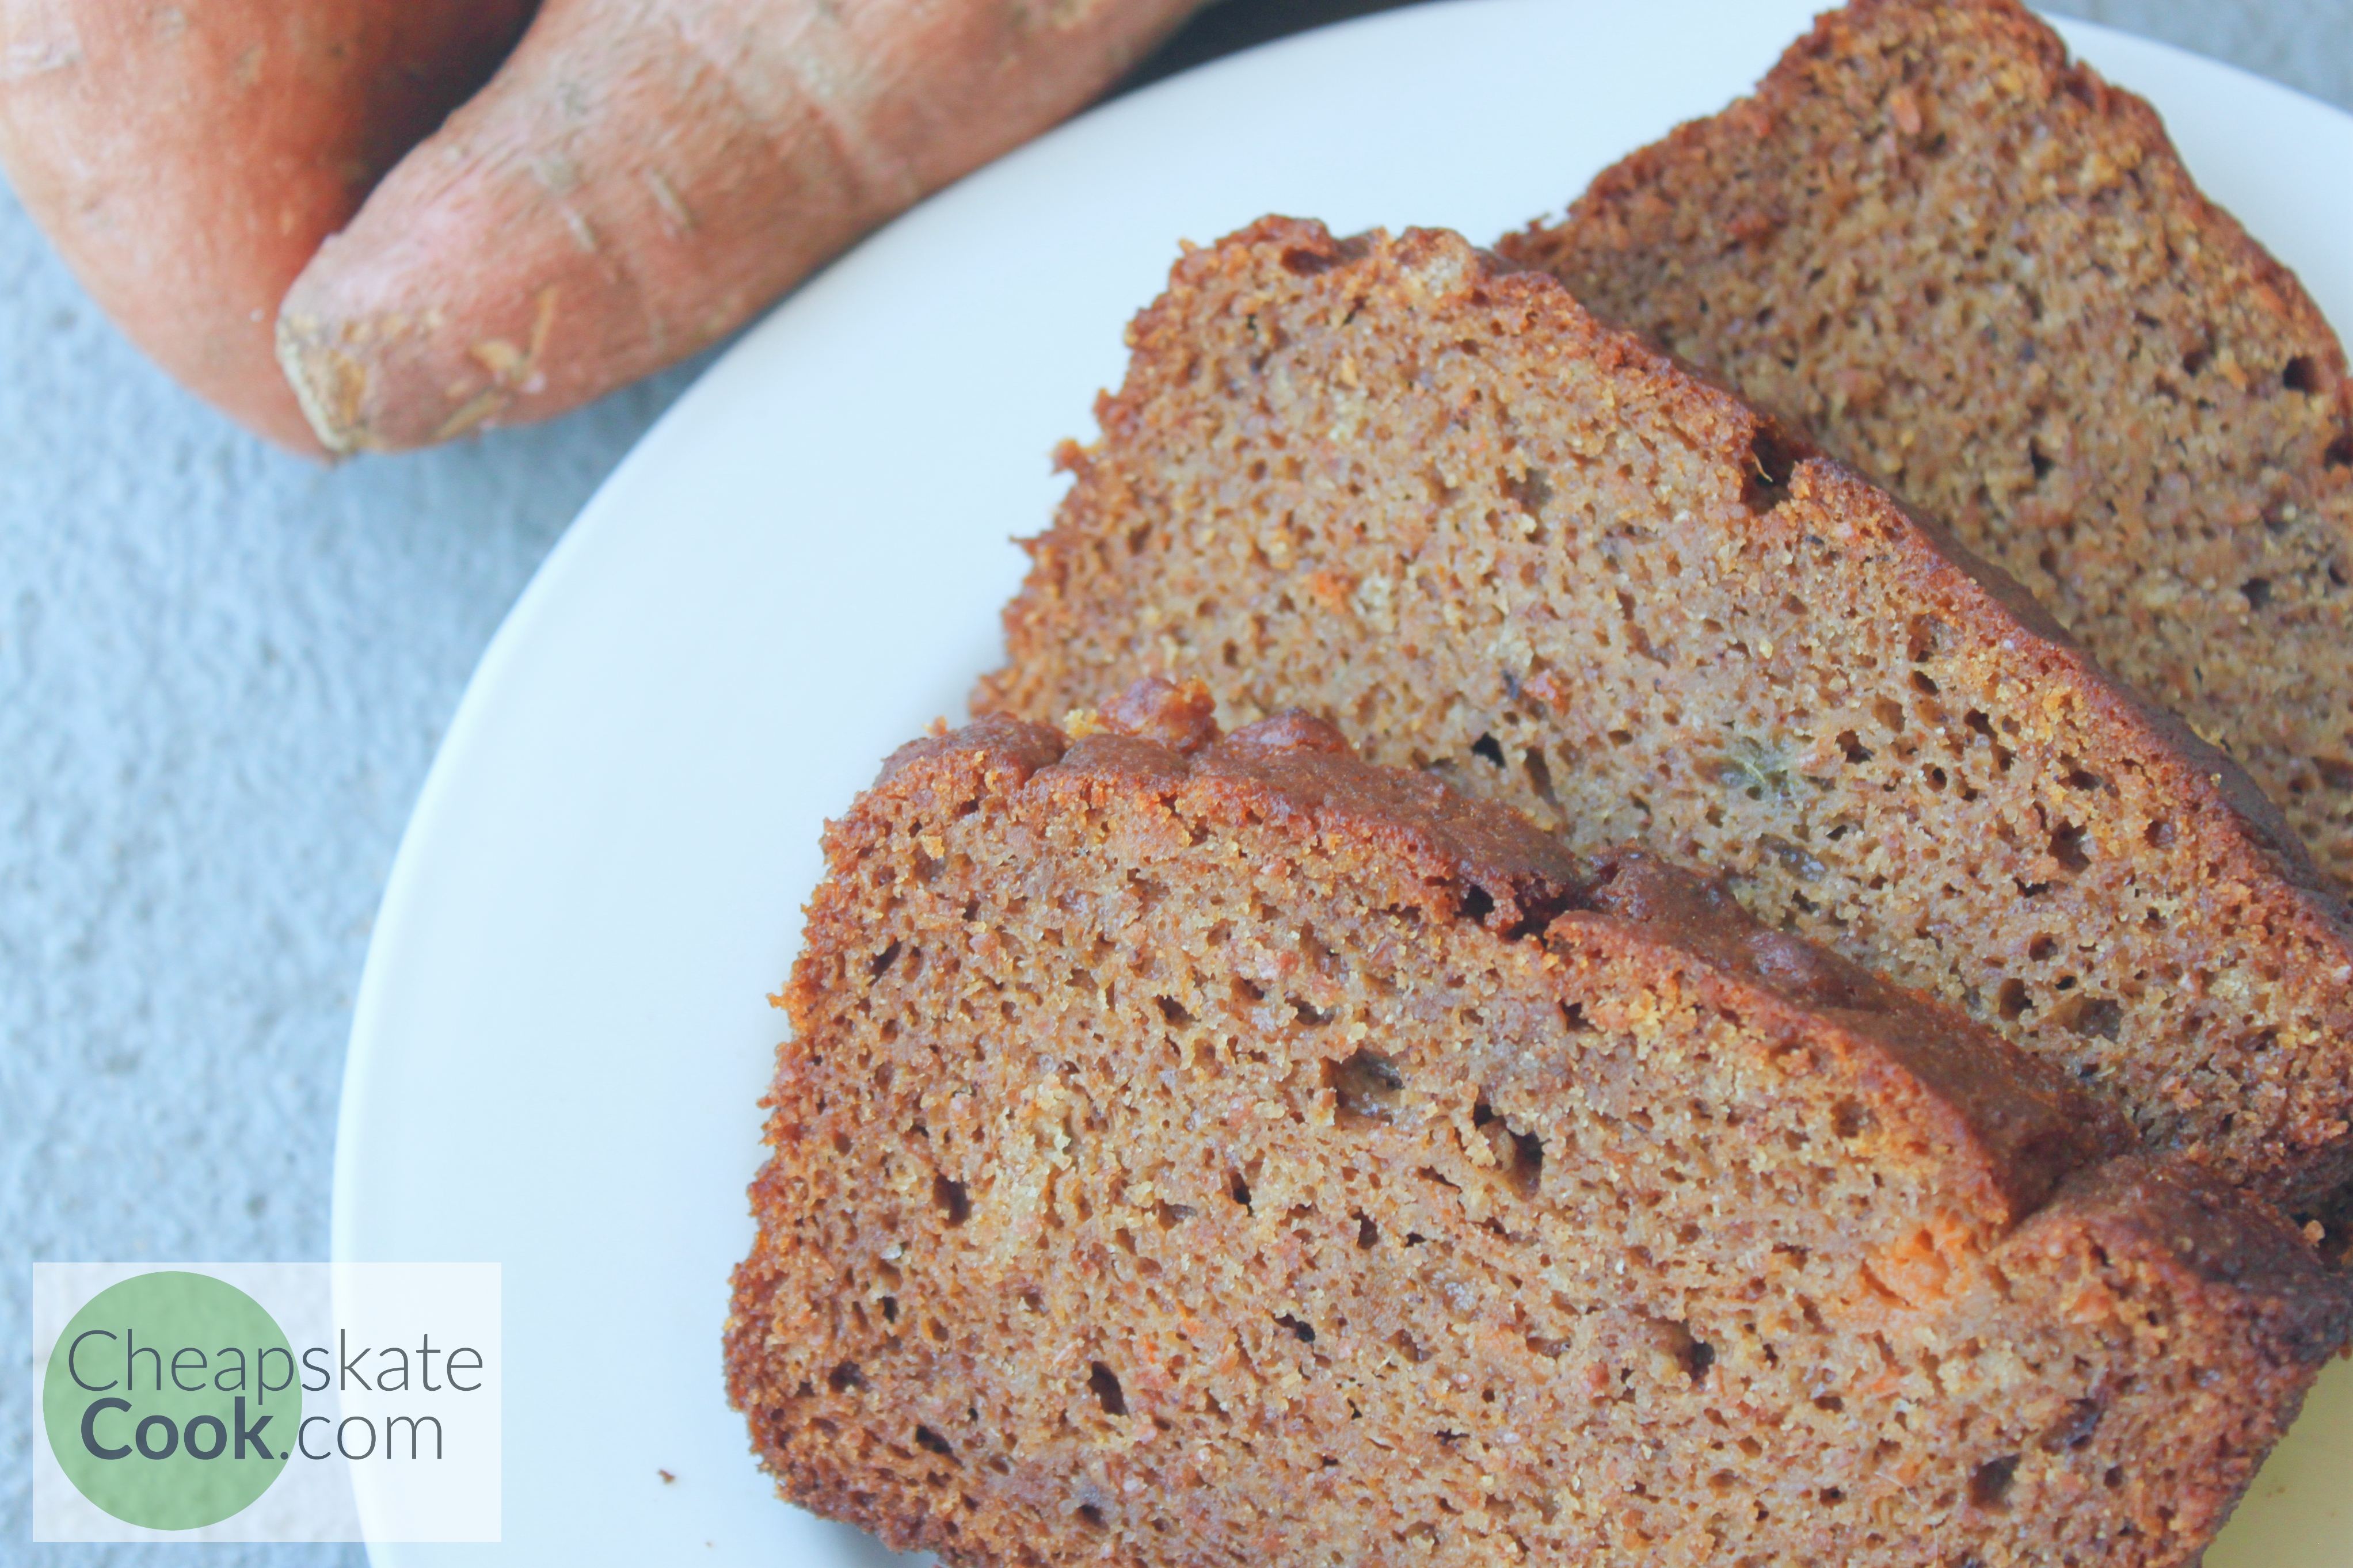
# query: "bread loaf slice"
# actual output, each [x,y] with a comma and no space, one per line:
[1982,274]
[1401,484]
[1218,1151]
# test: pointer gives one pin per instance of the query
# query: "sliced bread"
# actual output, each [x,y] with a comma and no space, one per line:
[1198,1152]
[1982,274]
[1401,484]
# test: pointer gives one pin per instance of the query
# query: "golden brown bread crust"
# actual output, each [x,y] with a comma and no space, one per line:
[2032,1123]
[1403,484]
[1984,274]
[2225,1250]
[1023,1293]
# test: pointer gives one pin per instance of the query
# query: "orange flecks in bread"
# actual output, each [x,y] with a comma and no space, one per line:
[1446,1198]
[2019,310]
[1585,583]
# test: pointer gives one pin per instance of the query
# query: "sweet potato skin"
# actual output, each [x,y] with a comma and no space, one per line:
[642,176]
[187,159]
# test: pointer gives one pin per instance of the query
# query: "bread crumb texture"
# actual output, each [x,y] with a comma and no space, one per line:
[1207,1152]
[1982,274]
[1424,495]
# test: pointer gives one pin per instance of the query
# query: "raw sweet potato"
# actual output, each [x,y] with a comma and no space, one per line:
[643,175]
[187,159]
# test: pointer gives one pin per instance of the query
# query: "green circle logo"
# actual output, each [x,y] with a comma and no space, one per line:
[172,1400]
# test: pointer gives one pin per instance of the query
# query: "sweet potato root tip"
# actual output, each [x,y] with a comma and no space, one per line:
[328,384]
[328,365]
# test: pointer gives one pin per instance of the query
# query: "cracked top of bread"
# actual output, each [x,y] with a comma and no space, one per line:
[1230,1147]
[1423,492]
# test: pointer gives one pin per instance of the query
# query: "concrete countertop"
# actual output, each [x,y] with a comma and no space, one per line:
[223,673]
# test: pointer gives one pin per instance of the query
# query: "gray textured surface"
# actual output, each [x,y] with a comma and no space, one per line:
[222,672]
[2306,44]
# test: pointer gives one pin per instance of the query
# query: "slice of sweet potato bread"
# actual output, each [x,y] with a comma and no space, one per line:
[1400,484]
[1258,1155]
[1983,274]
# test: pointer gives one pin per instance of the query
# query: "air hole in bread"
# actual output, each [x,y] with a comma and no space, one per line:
[1532,490]
[1990,1483]
[2074,1428]
[2067,848]
[1365,1087]
[2011,1001]
[1104,1384]
[1527,1168]
[1771,463]
[1925,638]
[2088,1017]
[1540,774]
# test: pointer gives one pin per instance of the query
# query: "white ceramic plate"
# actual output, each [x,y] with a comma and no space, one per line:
[561,1031]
